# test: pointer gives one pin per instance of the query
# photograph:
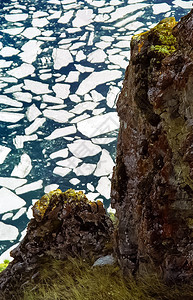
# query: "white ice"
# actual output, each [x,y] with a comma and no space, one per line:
[19,140]
[97,125]
[36,87]
[51,187]
[60,132]
[11,183]
[112,96]
[61,90]
[74,181]
[51,99]
[84,69]
[9,51]
[32,112]
[104,186]
[35,126]
[5,64]
[14,88]
[37,185]
[4,151]
[183,4]
[13,31]
[70,162]
[85,169]
[66,17]
[102,44]
[83,148]
[80,55]
[55,15]
[92,196]
[81,107]
[22,71]
[8,232]
[61,171]
[61,58]
[103,140]
[97,56]
[10,117]
[97,78]
[80,118]
[7,216]
[131,18]
[160,8]
[83,18]
[77,46]
[75,98]
[8,101]
[96,96]
[105,164]
[40,14]
[31,32]
[98,111]
[30,51]
[25,97]
[72,76]
[121,12]
[40,22]
[135,25]
[60,116]
[16,17]
[60,153]
[9,201]
[23,168]
[19,213]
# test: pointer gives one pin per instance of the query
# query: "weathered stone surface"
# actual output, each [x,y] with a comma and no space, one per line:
[64,224]
[152,185]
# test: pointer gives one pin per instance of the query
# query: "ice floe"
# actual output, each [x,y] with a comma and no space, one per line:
[105,164]
[81,107]
[10,117]
[39,22]
[83,148]
[62,90]
[36,87]
[22,71]
[66,17]
[19,140]
[80,55]
[19,213]
[61,171]
[72,76]
[112,96]
[97,56]
[51,99]
[97,78]
[13,31]
[33,112]
[85,169]
[7,216]
[33,186]
[30,51]
[11,183]
[31,32]
[71,162]
[98,125]
[23,168]
[105,140]
[183,4]
[60,132]
[4,151]
[35,126]
[160,8]
[8,232]
[25,97]
[61,58]
[83,17]
[16,17]
[60,153]
[12,201]
[74,181]
[60,116]
[104,186]
[51,187]
[8,51]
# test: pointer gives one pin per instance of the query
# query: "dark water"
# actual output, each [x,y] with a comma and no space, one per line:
[61,69]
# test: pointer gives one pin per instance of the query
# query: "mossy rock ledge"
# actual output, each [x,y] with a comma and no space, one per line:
[152,184]
[65,224]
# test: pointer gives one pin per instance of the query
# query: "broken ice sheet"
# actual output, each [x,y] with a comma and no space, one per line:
[23,168]
[12,201]
[36,87]
[33,186]
[8,51]
[60,153]
[31,32]
[83,18]
[61,58]
[33,112]
[60,116]
[35,126]
[8,232]
[70,162]
[61,171]
[19,140]
[22,71]
[4,151]
[60,132]
[105,164]
[85,169]
[10,117]
[83,148]
[104,186]
[11,183]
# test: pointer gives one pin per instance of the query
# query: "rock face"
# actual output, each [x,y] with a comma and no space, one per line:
[64,224]
[152,185]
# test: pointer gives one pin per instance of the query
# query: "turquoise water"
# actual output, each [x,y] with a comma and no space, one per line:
[62,63]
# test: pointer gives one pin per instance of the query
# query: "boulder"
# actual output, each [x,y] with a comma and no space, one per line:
[152,184]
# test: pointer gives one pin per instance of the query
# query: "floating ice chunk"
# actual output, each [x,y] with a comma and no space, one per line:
[40,14]
[4,151]
[23,168]
[92,196]
[85,169]
[61,78]
[97,56]
[124,10]
[62,90]
[40,22]
[112,96]
[131,18]
[37,185]
[73,76]
[8,101]
[84,69]
[97,125]
[71,162]
[8,51]
[31,50]
[98,111]
[60,116]
[36,87]
[8,232]
[35,126]
[106,9]
[83,148]
[103,140]
[96,96]
[19,140]
[23,71]
[55,15]
[77,46]
[25,97]
[61,171]
[97,78]
[8,79]
[61,153]
[58,106]
[10,117]
[80,118]
[183,4]
[81,107]
[19,213]
[59,132]
[14,88]
[75,98]
[9,201]
[90,187]
[13,31]
[101,18]
[91,39]
[83,18]
[66,17]
[50,188]
[103,45]
[16,17]
[11,183]
[61,58]
[105,164]
[80,56]
[160,8]
[74,181]
[45,76]
[33,112]
[135,25]
[104,186]
[51,99]
[7,216]
[31,32]
[5,64]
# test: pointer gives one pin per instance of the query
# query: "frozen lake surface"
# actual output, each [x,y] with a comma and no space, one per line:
[62,64]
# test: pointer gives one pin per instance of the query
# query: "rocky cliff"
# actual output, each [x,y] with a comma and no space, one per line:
[152,185]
